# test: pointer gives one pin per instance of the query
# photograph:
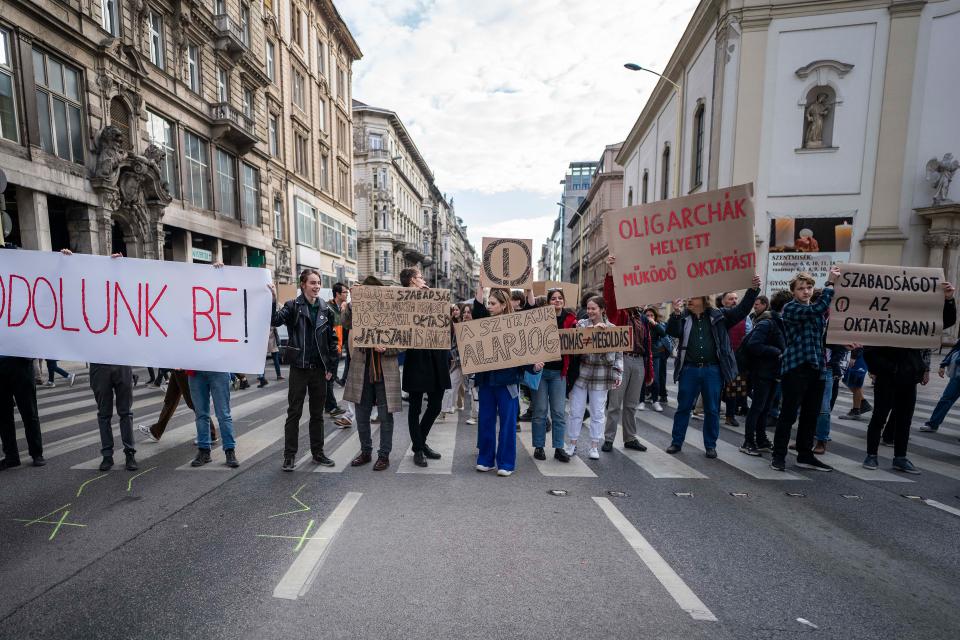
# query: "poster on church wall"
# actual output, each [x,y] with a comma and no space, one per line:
[806,244]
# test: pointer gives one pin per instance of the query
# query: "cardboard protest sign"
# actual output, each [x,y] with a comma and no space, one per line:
[887,306]
[696,245]
[507,263]
[571,290]
[508,340]
[133,312]
[582,340]
[400,317]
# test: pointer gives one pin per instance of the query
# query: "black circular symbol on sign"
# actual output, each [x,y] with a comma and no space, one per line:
[505,280]
[842,304]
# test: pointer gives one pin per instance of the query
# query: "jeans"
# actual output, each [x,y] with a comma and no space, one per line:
[551,394]
[803,392]
[109,381]
[52,368]
[950,395]
[420,425]
[762,394]
[823,420]
[17,384]
[178,387]
[203,385]
[303,381]
[499,451]
[451,395]
[894,396]
[374,393]
[623,400]
[694,381]
[578,402]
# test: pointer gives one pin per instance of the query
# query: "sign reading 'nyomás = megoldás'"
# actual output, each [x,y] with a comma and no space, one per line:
[508,340]
[581,340]
[884,306]
[700,244]
[400,317]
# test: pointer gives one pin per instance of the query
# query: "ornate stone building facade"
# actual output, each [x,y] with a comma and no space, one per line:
[586,225]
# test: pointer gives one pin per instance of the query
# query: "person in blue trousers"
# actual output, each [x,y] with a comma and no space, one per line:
[948,368]
[203,385]
[551,395]
[499,390]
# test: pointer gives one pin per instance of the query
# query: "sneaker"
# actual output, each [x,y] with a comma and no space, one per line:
[263,382]
[658,407]
[539,454]
[244,384]
[130,464]
[322,460]
[672,449]
[288,464]
[820,448]
[71,379]
[635,445]
[107,463]
[50,384]
[147,434]
[870,462]
[730,421]
[809,462]
[203,457]
[778,465]
[904,465]
[9,463]
[594,453]
[865,407]
[338,411]
[607,446]
[641,407]
[561,455]
[853,414]
[696,416]
[38,461]
[750,449]
[570,449]
[503,473]
[929,428]
[711,453]
[471,421]
[484,468]
[232,461]
[764,446]
[343,423]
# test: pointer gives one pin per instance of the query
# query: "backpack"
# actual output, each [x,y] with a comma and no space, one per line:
[743,358]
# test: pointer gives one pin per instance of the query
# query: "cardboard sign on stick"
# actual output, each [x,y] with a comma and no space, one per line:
[886,306]
[696,245]
[571,290]
[508,340]
[400,317]
[582,340]
[507,263]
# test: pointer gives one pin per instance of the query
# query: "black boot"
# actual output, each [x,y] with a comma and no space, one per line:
[131,461]
[107,463]
[232,461]
[418,459]
[203,457]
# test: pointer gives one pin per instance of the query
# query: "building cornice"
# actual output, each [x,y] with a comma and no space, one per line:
[402,133]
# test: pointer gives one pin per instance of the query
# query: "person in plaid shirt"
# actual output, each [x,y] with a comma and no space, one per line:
[801,370]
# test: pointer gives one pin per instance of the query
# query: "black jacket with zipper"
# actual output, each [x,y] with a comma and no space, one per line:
[308,345]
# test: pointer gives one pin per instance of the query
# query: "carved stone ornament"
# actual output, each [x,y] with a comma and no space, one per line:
[940,174]
[840,68]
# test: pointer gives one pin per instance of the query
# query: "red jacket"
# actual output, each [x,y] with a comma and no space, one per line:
[621,318]
[569,322]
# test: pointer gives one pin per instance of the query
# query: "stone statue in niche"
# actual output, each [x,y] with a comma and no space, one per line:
[816,113]
[940,172]
[110,153]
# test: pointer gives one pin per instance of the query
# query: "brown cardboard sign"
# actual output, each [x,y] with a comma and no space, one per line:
[507,263]
[508,340]
[571,291]
[887,306]
[400,317]
[582,340]
[696,245]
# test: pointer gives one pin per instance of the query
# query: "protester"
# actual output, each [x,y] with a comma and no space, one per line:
[831,377]
[760,306]
[736,390]
[375,382]
[552,393]
[499,393]
[452,400]
[469,382]
[18,386]
[599,373]
[312,354]
[853,378]
[339,297]
[274,352]
[178,387]
[656,392]
[425,372]
[801,368]
[898,371]
[705,362]
[204,385]
[52,369]
[948,366]
[345,420]
[763,350]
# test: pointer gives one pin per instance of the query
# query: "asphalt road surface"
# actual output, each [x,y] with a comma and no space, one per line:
[643,545]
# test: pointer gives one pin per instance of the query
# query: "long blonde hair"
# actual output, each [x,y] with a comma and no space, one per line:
[503,297]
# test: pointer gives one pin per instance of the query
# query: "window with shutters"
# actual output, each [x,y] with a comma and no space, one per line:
[120,118]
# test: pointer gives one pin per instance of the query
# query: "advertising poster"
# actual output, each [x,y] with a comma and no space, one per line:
[806,244]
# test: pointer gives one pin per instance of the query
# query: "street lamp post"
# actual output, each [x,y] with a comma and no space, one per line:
[676,164]
[579,226]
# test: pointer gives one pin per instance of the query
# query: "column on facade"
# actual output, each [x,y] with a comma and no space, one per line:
[34,219]
[82,226]
[749,111]
[183,246]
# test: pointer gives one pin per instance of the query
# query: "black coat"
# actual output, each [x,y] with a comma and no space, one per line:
[765,345]
[426,370]
[907,365]
[305,341]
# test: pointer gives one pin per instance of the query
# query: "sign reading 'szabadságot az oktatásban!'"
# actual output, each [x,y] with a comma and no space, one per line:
[581,340]
[696,245]
[508,340]
[884,306]
[400,317]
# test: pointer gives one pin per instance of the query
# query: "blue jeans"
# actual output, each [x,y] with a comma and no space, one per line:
[823,421]
[551,393]
[694,381]
[950,395]
[203,385]
[497,451]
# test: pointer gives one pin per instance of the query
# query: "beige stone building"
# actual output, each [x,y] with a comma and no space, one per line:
[147,127]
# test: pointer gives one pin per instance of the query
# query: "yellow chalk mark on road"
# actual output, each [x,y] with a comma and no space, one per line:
[65,524]
[80,490]
[130,481]
[297,500]
[57,524]
[301,538]
[47,515]
[60,523]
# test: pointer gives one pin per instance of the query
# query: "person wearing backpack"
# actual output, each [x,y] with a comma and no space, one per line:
[759,356]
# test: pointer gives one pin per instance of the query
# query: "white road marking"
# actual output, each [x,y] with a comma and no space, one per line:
[855,469]
[922,462]
[347,451]
[662,571]
[552,467]
[657,462]
[299,577]
[248,445]
[942,507]
[443,440]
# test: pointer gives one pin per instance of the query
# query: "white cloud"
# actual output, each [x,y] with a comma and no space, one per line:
[501,95]
[515,228]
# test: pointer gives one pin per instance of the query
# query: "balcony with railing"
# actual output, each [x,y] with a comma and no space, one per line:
[233,127]
[231,39]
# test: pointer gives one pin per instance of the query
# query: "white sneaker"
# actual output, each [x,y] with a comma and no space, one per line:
[471,421]
[145,430]
[641,407]
[696,416]
[570,448]
[503,473]
[594,453]
[482,468]
[657,407]
[71,379]
[49,385]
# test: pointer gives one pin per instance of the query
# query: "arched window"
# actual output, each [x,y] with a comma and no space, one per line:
[120,118]
[645,189]
[696,171]
[665,171]
[630,197]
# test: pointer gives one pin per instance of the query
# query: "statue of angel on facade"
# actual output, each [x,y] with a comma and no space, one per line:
[940,173]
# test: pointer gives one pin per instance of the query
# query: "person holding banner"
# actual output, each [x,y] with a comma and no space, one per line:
[312,354]
[950,366]
[705,362]
[451,397]
[551,394]
[599,373]
[898,371]
[499,391]
[17,385]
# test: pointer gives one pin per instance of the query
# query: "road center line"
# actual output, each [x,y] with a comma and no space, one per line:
[301,574]
[673,583]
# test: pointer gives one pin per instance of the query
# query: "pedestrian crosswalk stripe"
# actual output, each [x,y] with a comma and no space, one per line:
[657,462]
[443,440]
[553,468]
[249,444]
[950,426]
[90,418]
[916,440]
[942,507]
[55,397]
[343,455]
[855,469]
[922,462]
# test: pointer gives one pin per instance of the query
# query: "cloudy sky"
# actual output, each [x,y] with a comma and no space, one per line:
[500,95]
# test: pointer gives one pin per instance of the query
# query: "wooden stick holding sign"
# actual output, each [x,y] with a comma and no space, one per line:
[887,306]
[581,340]
[508,340]
[507,263]
[400,317]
